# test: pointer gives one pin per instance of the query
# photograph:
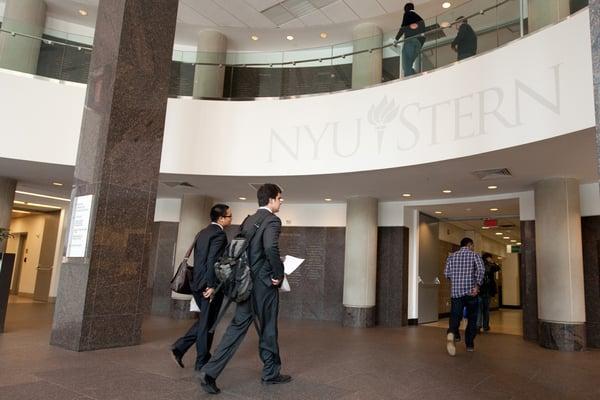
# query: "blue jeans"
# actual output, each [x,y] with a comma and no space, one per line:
[410,53]
[456,314]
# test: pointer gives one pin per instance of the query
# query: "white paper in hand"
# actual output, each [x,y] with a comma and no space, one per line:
[193,306]
[290,264]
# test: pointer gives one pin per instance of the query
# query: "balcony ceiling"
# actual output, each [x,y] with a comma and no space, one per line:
[270,20]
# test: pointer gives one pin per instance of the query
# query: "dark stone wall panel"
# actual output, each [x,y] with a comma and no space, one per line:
[528,282]
[590,234]
[392,276]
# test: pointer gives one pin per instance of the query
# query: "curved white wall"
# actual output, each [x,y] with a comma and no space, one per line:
[530,90]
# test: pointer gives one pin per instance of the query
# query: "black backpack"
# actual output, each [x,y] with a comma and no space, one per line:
[233,269]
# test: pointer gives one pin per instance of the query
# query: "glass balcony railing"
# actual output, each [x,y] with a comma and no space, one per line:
[325,69]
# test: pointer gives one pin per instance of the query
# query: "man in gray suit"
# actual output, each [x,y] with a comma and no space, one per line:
[268,272]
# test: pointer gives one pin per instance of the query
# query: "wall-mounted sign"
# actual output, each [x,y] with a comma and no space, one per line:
[79,228]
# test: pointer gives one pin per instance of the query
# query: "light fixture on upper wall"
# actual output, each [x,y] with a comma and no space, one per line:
[446,191]
[446,4]
[83,13]
[57,183]
[289,37]
[254,37]
[406,195]
[323,35]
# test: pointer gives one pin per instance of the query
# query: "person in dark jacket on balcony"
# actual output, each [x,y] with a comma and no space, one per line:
[412,28]
[465,42]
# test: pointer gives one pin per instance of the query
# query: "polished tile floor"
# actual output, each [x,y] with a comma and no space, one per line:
[326,361]
[506,321]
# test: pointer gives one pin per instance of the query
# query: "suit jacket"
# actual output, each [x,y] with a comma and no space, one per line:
[210,245]
[263,251]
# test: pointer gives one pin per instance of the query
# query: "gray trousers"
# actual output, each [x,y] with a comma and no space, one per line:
[266,304]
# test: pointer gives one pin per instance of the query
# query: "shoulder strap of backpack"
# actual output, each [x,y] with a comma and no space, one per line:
[189,252]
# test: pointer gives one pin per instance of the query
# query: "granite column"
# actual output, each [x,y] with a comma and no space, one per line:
[102,289]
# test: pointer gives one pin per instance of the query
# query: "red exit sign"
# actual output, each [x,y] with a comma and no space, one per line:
[490,223]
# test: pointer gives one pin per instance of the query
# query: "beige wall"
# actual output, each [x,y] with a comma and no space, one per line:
[510,280]
[34,227]
[40,246]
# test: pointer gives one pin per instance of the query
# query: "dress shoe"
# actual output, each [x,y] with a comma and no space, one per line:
[279,379]
[209,384]
[177,356]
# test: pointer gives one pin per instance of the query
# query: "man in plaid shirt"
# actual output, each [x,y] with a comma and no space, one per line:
[465,271]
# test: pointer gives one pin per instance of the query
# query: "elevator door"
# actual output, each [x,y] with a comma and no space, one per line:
[429,280]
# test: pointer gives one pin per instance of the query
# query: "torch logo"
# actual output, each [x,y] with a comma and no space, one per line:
[380,116]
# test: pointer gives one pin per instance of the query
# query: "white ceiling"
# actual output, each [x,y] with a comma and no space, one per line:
[240,19]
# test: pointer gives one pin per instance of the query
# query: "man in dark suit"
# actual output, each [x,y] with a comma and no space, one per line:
[210,245]
[267,268]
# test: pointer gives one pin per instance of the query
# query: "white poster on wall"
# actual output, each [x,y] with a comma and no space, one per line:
[80,223]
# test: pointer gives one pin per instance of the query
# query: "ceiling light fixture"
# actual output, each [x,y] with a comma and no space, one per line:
[42,195]
[323,35]
[513,241]
[242,198]
[406,194]
[328,199]
[289,37]
[439,212]
[18,202]
[445,24]
[42,205]
[83,13]
[254,37]
[447,191]
[21,212]
[518,243]
[492,187]
[494,209]
[57,183]
[499,233]
[506,237]
[446,4]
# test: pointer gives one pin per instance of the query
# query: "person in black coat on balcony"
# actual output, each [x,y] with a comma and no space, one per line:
[465,42]
[412,28]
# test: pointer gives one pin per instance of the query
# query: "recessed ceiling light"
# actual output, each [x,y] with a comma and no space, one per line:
[513,241]
[485,227]
[493,209]
[21,212]
[446,4]
[289,37]
[328,199]
[42,205]
[506,237]
[83,13]
[254,37]
[242,198]
[447,191]
[57,183]
[438,212]
[492,187]
[323,35]
[445,24]
[406,194]
[518,243]
[468,209]
[499,233]
[42,195]
[18,202]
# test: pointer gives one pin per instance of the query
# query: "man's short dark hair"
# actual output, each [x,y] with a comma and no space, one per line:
[485,256]
[266,192]
[465,242]
[462,19]
[217,211]
[409,7]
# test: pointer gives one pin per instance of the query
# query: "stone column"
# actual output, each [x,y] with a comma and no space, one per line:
[102,294]
[528,277]
[366,67]
[545,12]
[7,196]
[561,303]
[195,215]
[209,79]
[360,263]
[20,53]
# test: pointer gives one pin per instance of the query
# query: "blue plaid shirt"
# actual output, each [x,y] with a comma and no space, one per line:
[465,270]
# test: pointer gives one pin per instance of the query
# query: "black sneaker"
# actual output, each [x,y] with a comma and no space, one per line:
[177,356]
[209,384]
[278,380]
